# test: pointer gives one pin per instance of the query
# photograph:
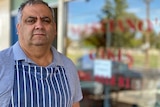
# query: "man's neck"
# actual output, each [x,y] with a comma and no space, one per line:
[42,56]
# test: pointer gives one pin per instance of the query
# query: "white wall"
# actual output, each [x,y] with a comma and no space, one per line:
[4,24]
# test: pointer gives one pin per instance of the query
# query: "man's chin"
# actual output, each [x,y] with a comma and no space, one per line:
[40,44]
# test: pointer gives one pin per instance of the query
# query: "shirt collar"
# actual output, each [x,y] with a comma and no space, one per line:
[18,52]
[20,55]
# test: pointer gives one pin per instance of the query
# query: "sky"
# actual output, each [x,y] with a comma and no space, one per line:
[82,12]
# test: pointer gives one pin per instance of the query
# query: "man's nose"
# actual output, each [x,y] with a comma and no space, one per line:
[39,24]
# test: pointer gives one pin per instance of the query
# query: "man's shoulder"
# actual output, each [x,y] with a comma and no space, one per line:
[6,51]
[6,54]
[60,57]
[64,58]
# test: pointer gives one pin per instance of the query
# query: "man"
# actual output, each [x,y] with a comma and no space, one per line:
[32,72]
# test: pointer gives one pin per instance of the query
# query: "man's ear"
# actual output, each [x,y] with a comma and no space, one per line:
[55,28]
[18,27]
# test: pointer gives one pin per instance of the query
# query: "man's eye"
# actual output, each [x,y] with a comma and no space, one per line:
[30,21]
[46,20]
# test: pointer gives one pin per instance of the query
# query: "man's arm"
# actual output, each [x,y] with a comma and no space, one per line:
[76,104]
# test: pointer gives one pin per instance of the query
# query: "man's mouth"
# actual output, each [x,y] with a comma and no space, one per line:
[42,34]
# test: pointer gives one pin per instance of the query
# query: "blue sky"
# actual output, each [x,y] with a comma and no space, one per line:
[139,8]
[82,12]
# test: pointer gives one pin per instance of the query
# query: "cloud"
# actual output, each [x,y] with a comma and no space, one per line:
[134,10]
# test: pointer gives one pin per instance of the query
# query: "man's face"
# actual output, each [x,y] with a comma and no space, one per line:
[37,26]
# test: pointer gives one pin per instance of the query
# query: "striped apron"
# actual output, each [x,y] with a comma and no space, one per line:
[36,86]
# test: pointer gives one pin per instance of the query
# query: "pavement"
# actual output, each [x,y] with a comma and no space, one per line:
[142,98]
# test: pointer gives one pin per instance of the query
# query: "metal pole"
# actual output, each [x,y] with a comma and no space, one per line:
[107,96]
[106,102]
[60,26]
[108,36]
[147,38]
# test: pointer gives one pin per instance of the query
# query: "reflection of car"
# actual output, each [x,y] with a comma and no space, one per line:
[122,76]
[94,87]
[86,62]
[85,71]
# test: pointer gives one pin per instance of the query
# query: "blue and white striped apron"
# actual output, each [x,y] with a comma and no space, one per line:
[36,86]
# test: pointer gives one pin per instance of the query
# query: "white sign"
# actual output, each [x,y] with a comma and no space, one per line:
[103,68]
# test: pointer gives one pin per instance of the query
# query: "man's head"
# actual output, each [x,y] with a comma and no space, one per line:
[31,2]
[36,26]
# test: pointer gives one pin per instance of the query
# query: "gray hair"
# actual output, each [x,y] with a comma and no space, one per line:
[31,2]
